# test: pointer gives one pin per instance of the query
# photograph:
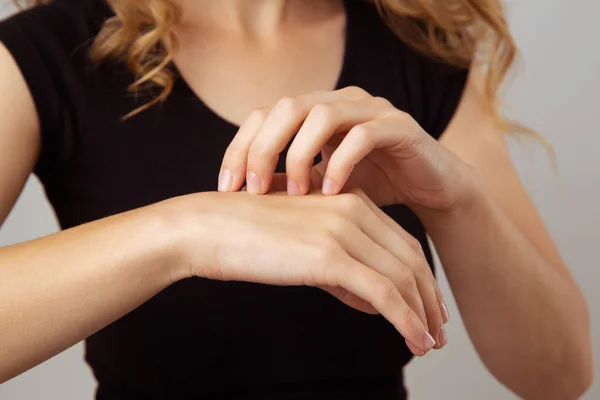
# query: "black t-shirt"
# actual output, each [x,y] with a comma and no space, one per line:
[201,338]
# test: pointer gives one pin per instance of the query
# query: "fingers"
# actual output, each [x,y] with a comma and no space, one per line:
[361,140]
[427,285]
[445,313]
[350,300]
[384,296]
[409,252]
[254,152]
[411,272]
[307,124]
[363,249]
[442,335]
[270,140]
[233,169]
[322,123]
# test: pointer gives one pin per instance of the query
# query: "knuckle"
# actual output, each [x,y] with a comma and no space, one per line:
[324,112]
[420,263]
[408,317]
[289,105]
[386,292]
[356,92]
[409,280]
[416,145]
[415,137]
[414,243]
[258,114]
[437,313]
[422,272]
[338,224]
[383,103]
[350,203]
[365,134]
[326,249]
[401,116]
[412,141]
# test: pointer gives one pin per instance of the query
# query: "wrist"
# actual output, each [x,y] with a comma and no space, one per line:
[169,236]
[470,193]
[187,237]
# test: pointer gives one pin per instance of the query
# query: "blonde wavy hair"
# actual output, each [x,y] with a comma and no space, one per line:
[460,33]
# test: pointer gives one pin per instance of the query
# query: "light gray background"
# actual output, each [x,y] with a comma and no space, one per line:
[555,89]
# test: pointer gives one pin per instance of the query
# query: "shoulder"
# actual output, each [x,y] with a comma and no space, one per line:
[49,45]
[65,24]
[429,89]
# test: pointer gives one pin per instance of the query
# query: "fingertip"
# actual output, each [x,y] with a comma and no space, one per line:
[293,188]
[442,337]
[329,187]
[225,180]
[445,313]
[253,183]
[417,352]
[298,170]
[428,341]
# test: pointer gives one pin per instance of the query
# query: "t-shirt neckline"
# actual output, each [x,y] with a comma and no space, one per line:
[341,82]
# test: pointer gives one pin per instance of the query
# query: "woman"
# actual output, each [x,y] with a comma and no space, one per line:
[299,286]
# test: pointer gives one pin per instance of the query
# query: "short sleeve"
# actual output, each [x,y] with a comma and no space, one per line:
[50,45]
[435,90]
[429,90]
[445,86]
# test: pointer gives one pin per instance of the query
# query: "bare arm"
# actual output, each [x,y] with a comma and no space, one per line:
[58,290]
[19,133]
[526,316]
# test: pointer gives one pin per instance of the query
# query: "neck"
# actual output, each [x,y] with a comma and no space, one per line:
[257,17]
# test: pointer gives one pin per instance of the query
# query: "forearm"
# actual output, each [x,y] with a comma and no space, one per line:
[528,322]
[58,290]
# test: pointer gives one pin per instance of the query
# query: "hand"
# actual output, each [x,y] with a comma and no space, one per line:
[343,244]
[365,142]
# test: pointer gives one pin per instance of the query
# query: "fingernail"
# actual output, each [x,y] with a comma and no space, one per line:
[292,187]
[443,337]
[428,341]
[328,187]
[445,314]
[253,182]
[225,180]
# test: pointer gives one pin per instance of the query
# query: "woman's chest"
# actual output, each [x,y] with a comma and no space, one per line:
[116,165]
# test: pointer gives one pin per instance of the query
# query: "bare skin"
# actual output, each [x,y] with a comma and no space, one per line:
[524,313]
